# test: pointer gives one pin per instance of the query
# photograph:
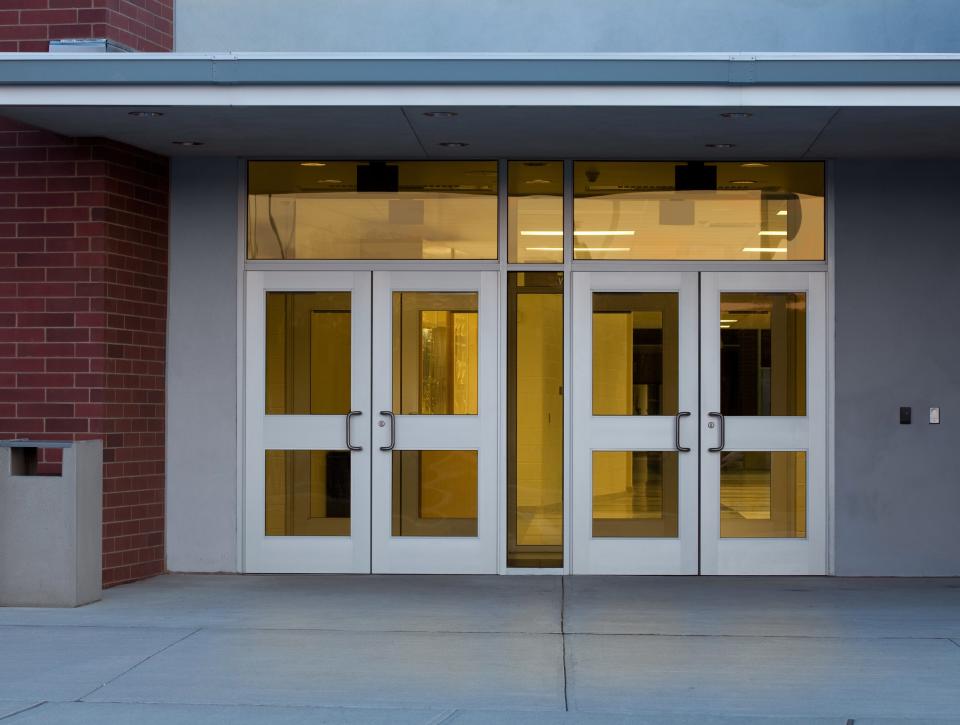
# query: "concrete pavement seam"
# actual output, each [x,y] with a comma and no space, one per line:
[22,710]
[442,717]
[134,666]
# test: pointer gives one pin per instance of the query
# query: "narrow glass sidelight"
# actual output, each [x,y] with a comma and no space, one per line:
[535,212]
[763,494]
[535,339]
[763,353]
[307,493]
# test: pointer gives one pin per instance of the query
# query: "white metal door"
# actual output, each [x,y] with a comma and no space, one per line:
[763,423]
[307,495]
[634,435]
[435,402]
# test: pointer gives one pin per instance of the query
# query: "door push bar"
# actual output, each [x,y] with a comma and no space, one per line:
[722,427]
[393,430]
[676,432]
[350,446]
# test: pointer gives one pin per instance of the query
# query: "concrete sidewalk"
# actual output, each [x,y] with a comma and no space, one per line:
[452,649]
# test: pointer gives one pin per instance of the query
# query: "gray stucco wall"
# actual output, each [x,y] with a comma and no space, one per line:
[202,367]
[568,25]
[898,343]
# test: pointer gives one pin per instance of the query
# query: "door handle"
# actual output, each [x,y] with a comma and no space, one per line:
[722,436]
[350,446]
[393,430]
[676,432]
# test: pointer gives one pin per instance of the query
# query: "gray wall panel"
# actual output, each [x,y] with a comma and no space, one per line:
[568,25]
[202,367]
[898,343]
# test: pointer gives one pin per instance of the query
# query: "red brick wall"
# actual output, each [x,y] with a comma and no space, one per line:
[83,273]
[30,25]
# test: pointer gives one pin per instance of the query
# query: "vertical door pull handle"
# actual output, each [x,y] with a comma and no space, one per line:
[722,436]
[350,446]
[393,430]
[676,432]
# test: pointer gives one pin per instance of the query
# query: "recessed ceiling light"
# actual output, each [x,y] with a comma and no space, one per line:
[743,182]
[145,114]
[188,143]
[441,114]
[772,233]
[538,181]
[753,165]
[782,212]
[329,181]
[312,163]
[720,145]
[453,144]
[736,114]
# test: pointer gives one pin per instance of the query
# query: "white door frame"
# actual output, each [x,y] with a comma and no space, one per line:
[431,554]
[306,554]
[758,433]
[589,555]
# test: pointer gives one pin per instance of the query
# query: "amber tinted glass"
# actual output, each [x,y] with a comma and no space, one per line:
[635,494]
[635,353]
[535,419]
[667,210]
[763,494]
[763,353]
[308,353]
[536,211]
[307,493]
[372,210]
[434,493]
[435,353]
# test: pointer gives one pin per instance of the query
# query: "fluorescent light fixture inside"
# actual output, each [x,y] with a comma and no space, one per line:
[764,249]
[729,321]
[782,212]
[724,327]
[772,234]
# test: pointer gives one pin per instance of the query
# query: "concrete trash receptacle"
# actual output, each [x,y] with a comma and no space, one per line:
[50,526]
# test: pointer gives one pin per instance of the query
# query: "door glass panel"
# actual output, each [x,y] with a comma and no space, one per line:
[693,210]
[308,353]
[763,494]
[435,353]
[307,493]
[763,353]
[635,353]
[635,494]
[434,493]
[535,211]
[535,419]
[372,210]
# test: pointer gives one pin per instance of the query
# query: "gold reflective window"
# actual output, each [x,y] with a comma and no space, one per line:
[434,493]
[763,353]
[372,210]
[635,353]
[635,494]
[308,353]
[535,419]
[435,353]
[307,493]
[535,216]
[699,210]
[763,494]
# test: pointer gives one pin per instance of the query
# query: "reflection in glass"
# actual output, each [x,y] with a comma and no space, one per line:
[691,210]
[308,353]
[535,419]
[435,353]
[763,353]
[635,494]
[307,493]
[635,353]
[372,210]
[434,493]
[535,211]
[763,494]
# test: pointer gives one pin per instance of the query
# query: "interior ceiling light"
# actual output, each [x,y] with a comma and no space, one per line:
[329,181]
[736,114]
[440,114]
[145,114]
[724,327]
[772,233]
[743,182]
[188,143]
[453,144]
[720,145]
[312,163]
[764,249]
[538,181]
[782,212]
[754,165]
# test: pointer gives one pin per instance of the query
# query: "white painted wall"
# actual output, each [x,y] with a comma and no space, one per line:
[202,366]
